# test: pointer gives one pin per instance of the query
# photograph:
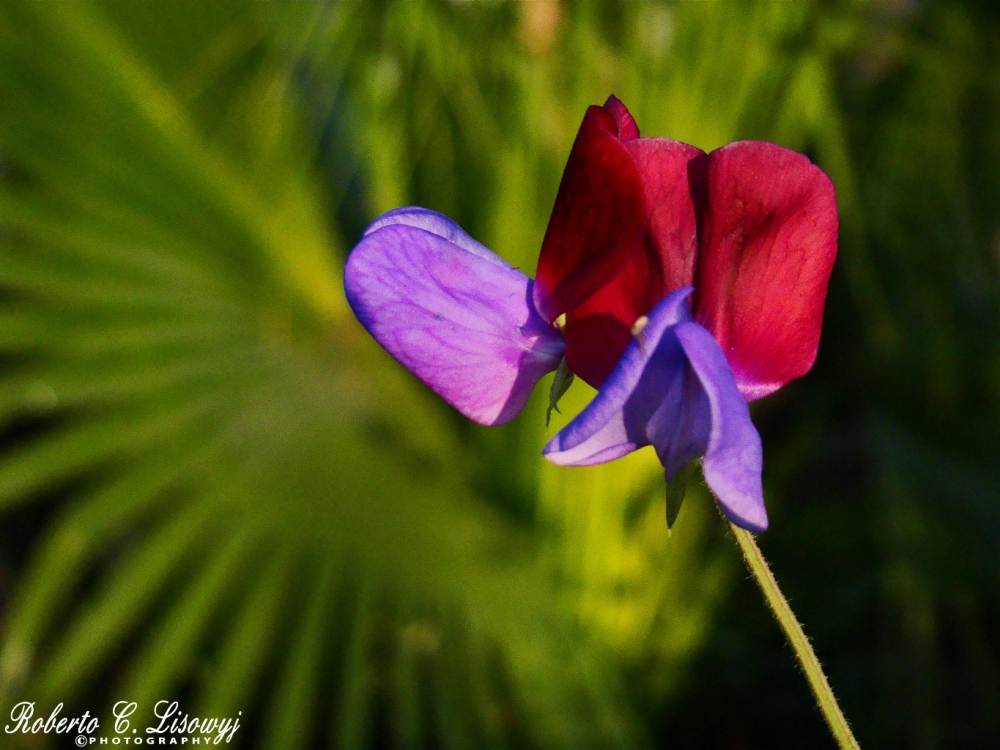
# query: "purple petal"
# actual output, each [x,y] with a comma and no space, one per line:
[452,312]
[734,459]
[647,382]
[673,389]
[435,223]
[679,429]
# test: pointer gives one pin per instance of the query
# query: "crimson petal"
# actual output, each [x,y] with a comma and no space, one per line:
[598,330]
[623,235]
[627,129]
[598,220]
[769,239]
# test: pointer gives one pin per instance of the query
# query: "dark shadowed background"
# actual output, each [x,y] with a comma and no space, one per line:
[216,489]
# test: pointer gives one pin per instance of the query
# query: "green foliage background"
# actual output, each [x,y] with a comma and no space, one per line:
[216,488]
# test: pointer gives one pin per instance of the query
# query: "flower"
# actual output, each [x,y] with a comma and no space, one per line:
[680,284]
[752,227]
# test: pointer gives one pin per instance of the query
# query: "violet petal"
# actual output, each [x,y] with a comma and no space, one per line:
[647,380]
[435,223]
[673,389]
[453,313]
[734,458]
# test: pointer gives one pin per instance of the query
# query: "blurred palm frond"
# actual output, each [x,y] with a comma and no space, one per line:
[246,505]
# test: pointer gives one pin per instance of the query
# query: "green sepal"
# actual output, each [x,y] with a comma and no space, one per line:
[676,490]
[560,384]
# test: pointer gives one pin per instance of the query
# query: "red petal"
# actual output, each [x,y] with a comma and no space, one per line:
[627,129]
[672,174]
[597,222]
[598,331]
[769,239]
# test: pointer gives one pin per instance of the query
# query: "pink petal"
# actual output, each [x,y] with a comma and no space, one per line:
[769,239]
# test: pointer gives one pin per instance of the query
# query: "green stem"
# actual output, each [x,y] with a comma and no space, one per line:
[803,650]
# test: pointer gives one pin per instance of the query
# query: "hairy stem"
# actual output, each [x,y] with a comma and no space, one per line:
[803,650]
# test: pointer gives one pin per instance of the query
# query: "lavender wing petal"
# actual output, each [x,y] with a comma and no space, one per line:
[734,458]
[435,223]
[461,322]
[615,422]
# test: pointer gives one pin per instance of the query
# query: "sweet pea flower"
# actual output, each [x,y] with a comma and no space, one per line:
[680,285]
